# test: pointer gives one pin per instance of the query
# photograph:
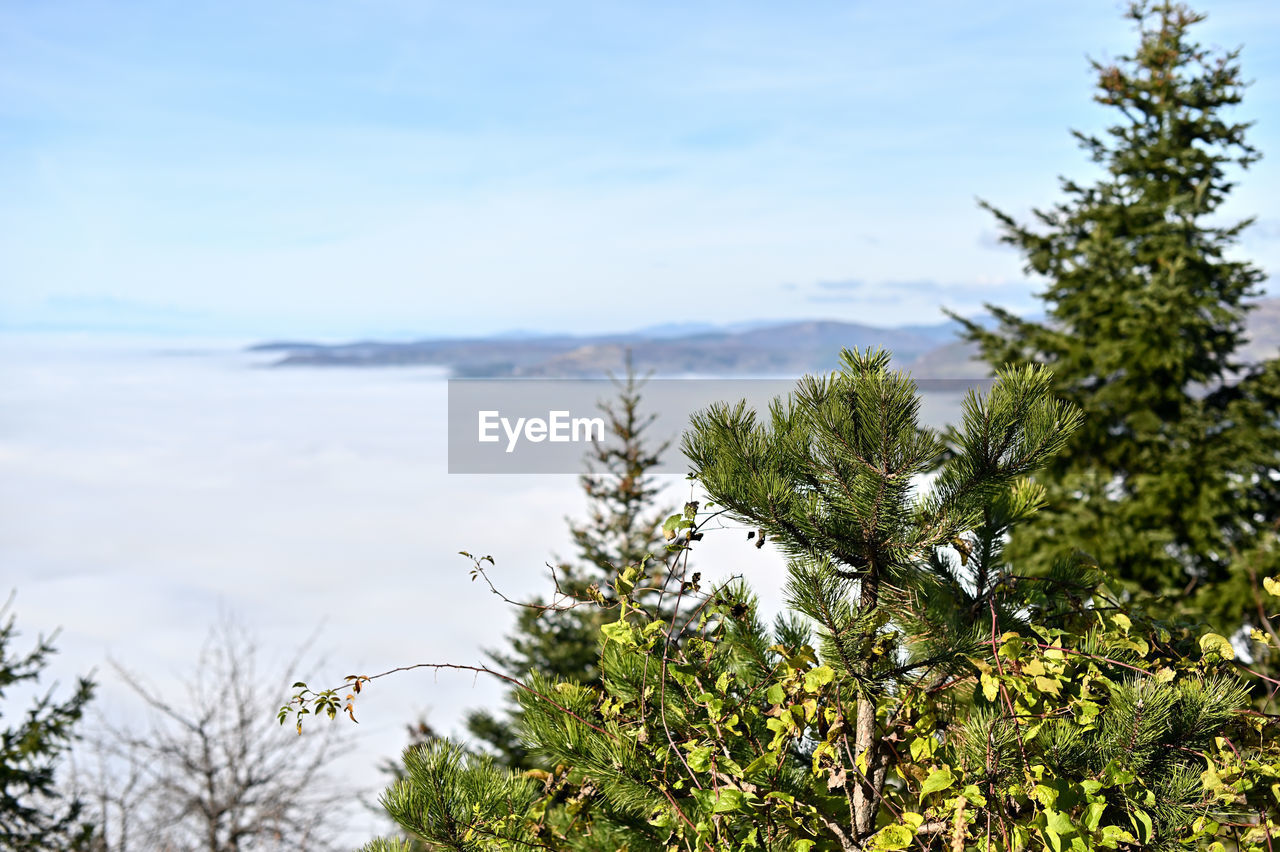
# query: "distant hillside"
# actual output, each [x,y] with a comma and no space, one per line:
[746,349]
[762,349]
[1264,331]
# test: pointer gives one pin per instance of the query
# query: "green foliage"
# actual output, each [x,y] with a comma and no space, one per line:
[918,693]
[34,815]
[560,638]
[474,804]
[621,493]
[1170,482]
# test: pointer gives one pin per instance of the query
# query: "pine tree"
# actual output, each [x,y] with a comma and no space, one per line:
[830,478]
[624,521]
[35,815]
[1171,484]
[623,528]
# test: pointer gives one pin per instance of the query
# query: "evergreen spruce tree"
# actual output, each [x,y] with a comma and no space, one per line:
[35,815]
[1173,482]
[623,528]
[920,693]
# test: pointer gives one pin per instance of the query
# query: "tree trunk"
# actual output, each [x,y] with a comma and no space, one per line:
[866,794]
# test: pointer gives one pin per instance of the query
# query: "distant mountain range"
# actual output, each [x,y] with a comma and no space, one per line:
[746,349]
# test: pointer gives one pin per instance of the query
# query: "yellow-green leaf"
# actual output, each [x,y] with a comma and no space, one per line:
[729,800]
[815,679]
[619,631]
[1049,685]
[891,837]
[1058,822]
[939,779]
[1212,643]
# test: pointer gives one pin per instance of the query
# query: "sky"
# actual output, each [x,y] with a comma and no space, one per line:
[342,169]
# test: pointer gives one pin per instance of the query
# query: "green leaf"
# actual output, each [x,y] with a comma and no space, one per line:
[1112,835]
[674,524]
[776,694]
[891,837]
[939,779]
[1144,829]
[1044,794]
[1057,825]
[699,759]
[1049,685]
[815,679]
[728,801]
[620,632]
[1212,643]
[767,760]
[627,579]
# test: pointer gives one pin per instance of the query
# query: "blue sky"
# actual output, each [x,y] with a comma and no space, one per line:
[338,169]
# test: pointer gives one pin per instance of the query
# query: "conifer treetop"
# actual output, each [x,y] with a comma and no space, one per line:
[1169,482]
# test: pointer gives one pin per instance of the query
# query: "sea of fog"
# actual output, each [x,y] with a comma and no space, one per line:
[149,488]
